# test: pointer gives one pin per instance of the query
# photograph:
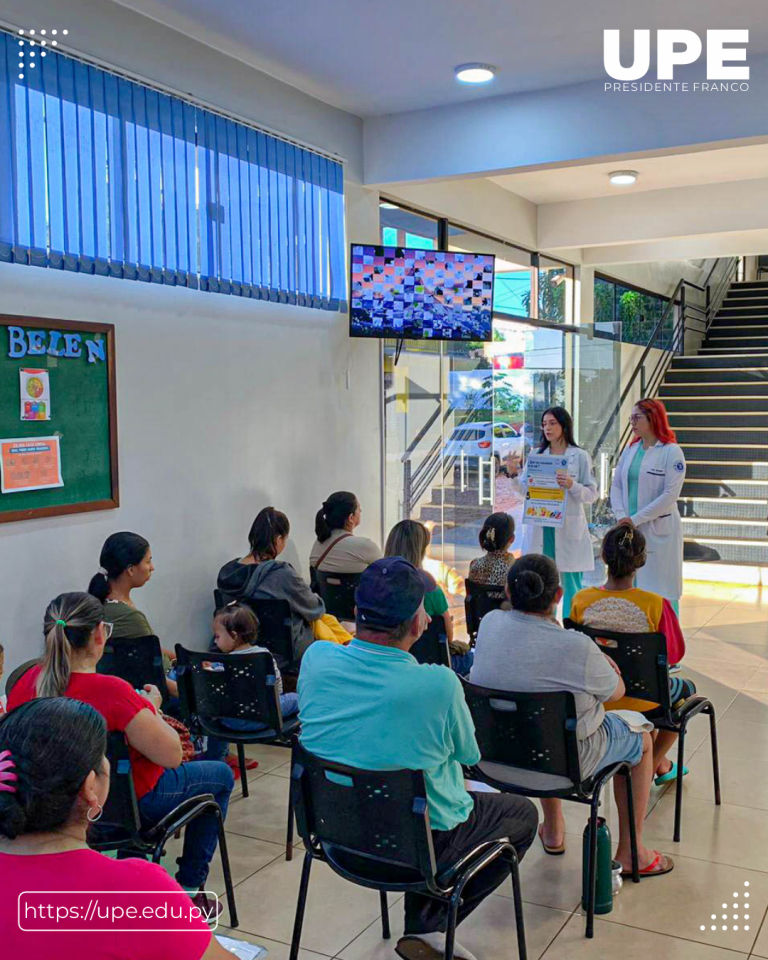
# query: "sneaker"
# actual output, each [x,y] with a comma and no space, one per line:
[210,907]
[429,946]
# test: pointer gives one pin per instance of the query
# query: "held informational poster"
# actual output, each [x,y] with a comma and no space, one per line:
[545,500]
[30,463]
[35,390]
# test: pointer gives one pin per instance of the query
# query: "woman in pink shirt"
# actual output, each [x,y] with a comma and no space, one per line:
[54,780]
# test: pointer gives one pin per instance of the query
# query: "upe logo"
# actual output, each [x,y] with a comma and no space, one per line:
[678,48]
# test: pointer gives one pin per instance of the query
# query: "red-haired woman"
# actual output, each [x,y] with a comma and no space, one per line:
[644,493]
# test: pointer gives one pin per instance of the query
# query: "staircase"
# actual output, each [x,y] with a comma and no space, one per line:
[718,406]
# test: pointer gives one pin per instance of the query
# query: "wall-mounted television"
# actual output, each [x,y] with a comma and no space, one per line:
[413,294]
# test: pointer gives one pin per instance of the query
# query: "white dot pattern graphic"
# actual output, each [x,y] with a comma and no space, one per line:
[28,34]
[735,916]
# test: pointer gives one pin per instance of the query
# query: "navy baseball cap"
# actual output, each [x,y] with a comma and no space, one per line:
[390,592]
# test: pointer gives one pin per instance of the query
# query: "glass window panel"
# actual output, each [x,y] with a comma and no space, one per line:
[513,281]
[555,291]
[403,228]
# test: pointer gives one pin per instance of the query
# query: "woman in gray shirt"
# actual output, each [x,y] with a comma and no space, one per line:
[526,650]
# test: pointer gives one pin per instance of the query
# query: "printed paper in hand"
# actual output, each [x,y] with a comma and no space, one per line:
[545,500]
[241,949]
[35,390]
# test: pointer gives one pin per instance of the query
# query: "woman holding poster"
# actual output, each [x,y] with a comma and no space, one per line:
[565,540]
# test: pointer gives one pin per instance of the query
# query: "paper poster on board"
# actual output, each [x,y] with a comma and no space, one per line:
[35,394]
[545,500]
[30,463]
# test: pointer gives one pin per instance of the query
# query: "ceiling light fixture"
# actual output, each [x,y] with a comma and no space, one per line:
[623,178]
[475,72]
[386,205]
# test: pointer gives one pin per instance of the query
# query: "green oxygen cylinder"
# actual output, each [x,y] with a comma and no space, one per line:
[603,884]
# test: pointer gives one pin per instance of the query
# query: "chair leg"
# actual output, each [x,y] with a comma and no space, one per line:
[450,931]
[627,772]
[679,784]
[522,949]
[715,754]
[385,931]
[300,905]
[233,921]
[241,764]
[289,834]
[592,867]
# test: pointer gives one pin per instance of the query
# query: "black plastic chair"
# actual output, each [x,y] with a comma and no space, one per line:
[15,675]
[480,599]
[120,827]
[337,591]
[642,660]
[372,828]
[242,687]
[432,645]
[529,747]
[138,660]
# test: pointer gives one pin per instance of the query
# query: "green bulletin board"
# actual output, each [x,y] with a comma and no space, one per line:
[80,361]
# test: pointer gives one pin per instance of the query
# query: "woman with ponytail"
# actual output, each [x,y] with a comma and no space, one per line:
[54,782]
[646,484]
[338,549]
[496,537]
[75,633]
[620,605]
[525,650]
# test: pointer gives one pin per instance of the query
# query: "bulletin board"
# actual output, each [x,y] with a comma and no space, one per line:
[58,421]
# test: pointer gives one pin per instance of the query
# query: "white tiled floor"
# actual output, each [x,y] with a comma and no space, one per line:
[727,639]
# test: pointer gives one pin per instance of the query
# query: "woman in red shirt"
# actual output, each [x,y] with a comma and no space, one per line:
[75,634]
[54,779]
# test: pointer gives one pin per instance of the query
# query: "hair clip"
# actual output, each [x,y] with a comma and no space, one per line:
[6,778]
[61,623]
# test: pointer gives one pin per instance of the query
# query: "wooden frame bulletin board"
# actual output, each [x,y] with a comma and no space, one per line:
[75,461]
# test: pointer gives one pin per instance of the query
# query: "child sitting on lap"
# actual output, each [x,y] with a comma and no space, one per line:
[235,630]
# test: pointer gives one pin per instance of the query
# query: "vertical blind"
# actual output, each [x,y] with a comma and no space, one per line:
[103,175]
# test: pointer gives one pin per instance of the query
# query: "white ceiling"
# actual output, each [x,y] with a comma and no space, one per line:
[656,173]
[387,56]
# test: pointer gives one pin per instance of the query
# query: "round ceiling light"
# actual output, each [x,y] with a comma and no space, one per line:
[623,178]
[475,72]
[386,205]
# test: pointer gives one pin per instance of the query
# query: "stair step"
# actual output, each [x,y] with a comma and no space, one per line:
[723,411]
[723,508]
[723,489]
[743,437]
[727,550]
[712,391]
[732,362]
[696,528]
[728,452]
[725,313]
[756,343]
[749,285]
[713,350]
[699,467]
[750,296]
[698,376]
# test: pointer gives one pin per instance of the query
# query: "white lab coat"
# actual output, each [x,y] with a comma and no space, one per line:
[573,546]
[661,479]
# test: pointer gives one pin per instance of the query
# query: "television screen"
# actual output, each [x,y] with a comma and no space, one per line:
[420,294]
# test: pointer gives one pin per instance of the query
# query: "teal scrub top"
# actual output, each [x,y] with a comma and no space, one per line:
[633,478]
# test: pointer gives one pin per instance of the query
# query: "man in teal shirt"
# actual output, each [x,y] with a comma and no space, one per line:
[371,705]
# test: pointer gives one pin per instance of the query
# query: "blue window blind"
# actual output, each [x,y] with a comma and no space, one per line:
[104,175]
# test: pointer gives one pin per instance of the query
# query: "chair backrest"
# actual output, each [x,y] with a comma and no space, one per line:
[480,599]
[528,731]
[337,591]
[432,645]
[372,826]
[275,628]
[137,661]
[213,686]
[218,600]
[121,809]
[18,673]
[641,658]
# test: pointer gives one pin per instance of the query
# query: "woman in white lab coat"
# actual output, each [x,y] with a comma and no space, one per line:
[569,546]
[644,492]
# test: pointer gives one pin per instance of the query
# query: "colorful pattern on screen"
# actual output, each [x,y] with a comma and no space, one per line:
[421,294]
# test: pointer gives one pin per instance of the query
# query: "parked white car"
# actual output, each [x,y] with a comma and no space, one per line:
[484,439]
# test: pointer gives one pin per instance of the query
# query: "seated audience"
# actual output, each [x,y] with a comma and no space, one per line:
[526,650]
[259,575]
[75,634]
[496,537]
[54,781]
[235,630]
[410,539]
[398,714]
[619,605]
[338,549]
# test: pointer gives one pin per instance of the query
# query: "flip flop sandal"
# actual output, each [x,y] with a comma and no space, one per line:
[650,870]
[670,775]
[552,851]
